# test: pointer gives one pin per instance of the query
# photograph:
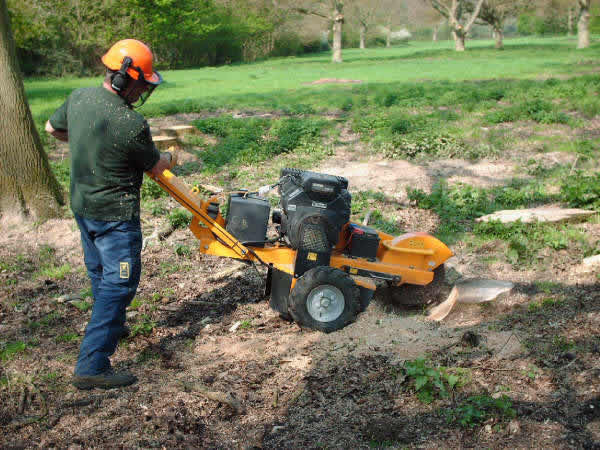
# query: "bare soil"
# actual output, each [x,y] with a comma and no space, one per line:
[299,388]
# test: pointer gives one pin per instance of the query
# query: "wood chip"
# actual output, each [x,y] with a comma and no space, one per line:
[440,311]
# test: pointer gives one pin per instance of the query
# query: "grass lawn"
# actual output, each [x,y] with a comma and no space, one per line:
[418,102]
[280,83]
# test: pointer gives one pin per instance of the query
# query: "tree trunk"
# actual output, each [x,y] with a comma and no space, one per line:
[459,42]
[27,185]
[583,28]
[338,19]
[570,22]
[499,36]
[435,33]
[388,35]
[363,34]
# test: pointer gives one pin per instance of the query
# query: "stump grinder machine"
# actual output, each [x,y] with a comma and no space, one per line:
[322,269]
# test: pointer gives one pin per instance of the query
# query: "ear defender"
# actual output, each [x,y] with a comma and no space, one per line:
[120,78]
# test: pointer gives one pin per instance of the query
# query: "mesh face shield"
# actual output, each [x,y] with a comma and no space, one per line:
[146,87]
[145,95]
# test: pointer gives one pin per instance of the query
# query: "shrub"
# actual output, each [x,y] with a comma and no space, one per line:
[582,191]
[479,408]
[387,99]
[401,126]
[423,144]
[249,141]
[502,115]
[151,190]
[143,327]
[526,240]
[429,382]
[180,218]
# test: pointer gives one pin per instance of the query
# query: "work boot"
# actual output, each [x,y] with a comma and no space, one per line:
[106,380]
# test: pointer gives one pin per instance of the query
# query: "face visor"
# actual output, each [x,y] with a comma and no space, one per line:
[142,89]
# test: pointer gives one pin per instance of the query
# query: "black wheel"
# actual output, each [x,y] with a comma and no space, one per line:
[413,295]
[325,299]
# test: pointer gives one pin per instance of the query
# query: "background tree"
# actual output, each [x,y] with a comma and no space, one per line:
[494,13]
[394,13]
[330,10]
[456,13]
[27,185]
[364,13]
[583,25]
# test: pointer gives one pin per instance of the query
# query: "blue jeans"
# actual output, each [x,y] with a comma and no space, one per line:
[112,257]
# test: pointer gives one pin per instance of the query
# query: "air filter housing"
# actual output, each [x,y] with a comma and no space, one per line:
[248,217]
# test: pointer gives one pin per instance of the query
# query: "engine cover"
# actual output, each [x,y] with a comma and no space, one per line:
[315,207]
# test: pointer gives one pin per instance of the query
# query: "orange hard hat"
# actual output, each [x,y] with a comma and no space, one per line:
[139,53]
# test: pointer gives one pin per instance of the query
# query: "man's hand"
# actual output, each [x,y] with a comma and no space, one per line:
[61,135]
[163,164]
[174,152]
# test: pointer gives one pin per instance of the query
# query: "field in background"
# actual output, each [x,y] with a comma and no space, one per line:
[280,83]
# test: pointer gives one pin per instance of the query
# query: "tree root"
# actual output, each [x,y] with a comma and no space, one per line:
[23,421]
[216,396]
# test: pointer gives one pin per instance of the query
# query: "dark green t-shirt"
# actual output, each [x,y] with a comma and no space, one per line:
[111,147]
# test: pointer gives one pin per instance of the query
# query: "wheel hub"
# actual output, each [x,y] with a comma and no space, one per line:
[325,303]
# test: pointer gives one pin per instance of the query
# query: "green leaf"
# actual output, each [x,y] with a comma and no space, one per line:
[420,381]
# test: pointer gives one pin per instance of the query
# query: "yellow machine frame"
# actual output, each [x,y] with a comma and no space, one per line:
[409,258]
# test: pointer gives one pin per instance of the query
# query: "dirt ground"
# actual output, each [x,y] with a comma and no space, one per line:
[299,388]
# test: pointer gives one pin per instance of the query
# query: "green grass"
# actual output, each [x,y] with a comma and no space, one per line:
[81,305]
[53,272]
[281,83]
[420,101]
[8,350]
[67,337]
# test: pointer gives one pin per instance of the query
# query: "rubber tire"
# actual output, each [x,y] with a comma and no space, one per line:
[318,276]
[414,295]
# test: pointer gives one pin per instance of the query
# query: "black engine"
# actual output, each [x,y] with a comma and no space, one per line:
[315,208]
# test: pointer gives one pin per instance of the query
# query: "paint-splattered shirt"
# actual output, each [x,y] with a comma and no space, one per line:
[111,147]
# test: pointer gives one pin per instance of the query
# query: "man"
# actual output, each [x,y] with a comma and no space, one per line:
[111,148]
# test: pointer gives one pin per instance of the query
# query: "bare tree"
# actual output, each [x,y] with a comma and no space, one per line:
[364,14]
[570,21]
[27,185]
[494,13]
[583,25]
[394,13]
[456,13]
[330,10]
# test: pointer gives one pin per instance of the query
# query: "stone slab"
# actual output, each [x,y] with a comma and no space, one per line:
[537,215]
[179,130]
[164,142]
[592,261]
[481,290]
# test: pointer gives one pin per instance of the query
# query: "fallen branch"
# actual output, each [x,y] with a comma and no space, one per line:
[367,218]
[226,273]
[217,396]
[492,368]
[19,423]
[161,235]
[22,401]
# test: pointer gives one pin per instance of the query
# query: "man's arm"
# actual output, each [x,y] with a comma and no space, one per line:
[61,135]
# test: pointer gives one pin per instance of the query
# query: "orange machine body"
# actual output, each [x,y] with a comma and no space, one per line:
[409,258]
